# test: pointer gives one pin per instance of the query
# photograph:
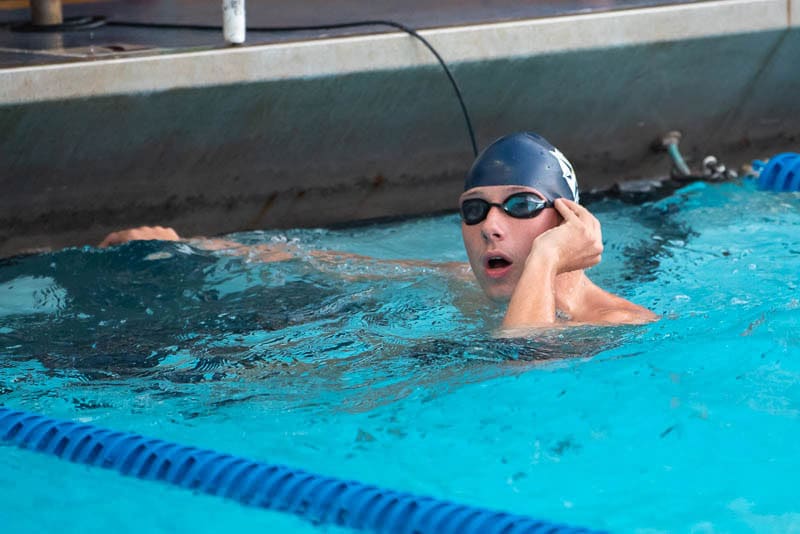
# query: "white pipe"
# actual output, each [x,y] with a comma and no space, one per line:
[233,24]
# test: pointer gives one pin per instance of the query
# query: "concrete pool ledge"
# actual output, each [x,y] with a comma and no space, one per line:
[328,130]
[347,55]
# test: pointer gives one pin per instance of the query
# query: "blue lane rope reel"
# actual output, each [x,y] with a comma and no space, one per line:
[317,498]
[780,173]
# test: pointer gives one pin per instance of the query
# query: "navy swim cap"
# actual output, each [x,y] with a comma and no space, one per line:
[525,158]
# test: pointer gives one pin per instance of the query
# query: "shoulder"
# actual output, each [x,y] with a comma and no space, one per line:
[606,308]
[630,314]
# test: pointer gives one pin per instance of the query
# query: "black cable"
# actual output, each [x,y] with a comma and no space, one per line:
[342,25]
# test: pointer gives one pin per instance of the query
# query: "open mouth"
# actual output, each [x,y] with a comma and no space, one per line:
[497,265]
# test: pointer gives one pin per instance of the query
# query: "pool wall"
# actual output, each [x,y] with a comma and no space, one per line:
[325,131]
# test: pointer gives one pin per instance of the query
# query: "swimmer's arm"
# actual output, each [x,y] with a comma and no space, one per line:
[265,253]
[335,258]
[272,252]
[533,303]
[142,233]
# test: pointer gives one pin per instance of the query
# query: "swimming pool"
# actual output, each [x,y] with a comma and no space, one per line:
[385,372]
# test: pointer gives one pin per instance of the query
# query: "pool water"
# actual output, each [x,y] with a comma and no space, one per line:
[388,372]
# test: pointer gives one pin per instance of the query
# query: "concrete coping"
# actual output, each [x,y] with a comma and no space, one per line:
[390,51]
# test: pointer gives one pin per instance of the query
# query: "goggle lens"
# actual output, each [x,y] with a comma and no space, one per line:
[474,210]
[518,205]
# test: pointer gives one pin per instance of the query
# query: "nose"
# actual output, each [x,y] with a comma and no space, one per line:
[493,226]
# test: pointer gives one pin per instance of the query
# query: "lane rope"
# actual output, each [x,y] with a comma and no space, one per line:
[316,498]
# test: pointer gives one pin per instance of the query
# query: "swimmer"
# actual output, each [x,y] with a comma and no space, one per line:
[529,241]
[527,238]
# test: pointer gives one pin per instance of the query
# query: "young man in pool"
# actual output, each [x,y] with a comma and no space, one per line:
[529,241]
[527,238]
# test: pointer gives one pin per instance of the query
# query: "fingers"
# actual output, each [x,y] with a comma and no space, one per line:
[572,211]
[572,206]
[566,209]
[168,234]
[586,230]
[110,240]
[143,233]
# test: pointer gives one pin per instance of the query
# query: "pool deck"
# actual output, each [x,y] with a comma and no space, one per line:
[121,126]
[19,49]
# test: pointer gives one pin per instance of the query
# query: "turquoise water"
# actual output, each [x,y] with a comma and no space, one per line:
[387,372]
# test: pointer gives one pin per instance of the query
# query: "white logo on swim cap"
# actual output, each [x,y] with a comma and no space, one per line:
[567,172]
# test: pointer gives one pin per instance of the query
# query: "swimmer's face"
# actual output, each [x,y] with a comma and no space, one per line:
[498,246]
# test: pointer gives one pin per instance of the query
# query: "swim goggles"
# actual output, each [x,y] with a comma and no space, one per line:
[518,205]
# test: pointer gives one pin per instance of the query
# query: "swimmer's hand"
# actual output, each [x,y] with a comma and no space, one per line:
[260,253]
[575,244]
[569,248]
[142,233]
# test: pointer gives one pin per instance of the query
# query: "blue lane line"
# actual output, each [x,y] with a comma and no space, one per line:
[317,498]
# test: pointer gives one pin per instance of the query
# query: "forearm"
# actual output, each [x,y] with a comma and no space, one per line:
[533,302]
[460,269]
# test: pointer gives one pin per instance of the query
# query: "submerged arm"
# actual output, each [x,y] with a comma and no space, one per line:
[265,253]
[337,258]
[274,251]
